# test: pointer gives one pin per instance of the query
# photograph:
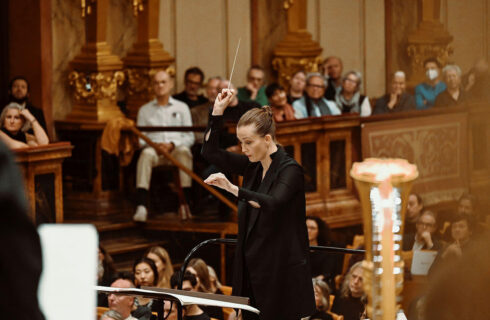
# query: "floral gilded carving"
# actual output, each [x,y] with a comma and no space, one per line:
[139,79]
[287,66]
[435,149]
[90,87]
[418,53]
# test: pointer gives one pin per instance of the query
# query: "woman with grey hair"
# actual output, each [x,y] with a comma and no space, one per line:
[454,94]
[349,99]
[15,120]
[350,301]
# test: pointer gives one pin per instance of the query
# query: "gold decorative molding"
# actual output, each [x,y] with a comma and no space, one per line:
[90,87]
[287,66]
[138,6]
[86,7]
[287,4]
[139,80]
[418,53]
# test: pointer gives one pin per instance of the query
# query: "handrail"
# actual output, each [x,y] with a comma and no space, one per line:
[234,242]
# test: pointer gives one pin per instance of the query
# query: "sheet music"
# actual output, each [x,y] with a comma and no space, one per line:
[421,261]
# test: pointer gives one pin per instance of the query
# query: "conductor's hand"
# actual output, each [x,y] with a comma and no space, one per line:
[219,180]
[222,101]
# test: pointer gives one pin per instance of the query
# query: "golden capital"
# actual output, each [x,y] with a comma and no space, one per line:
[92,86]
[287,66]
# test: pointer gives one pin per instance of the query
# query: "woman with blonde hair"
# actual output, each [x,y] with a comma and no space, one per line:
[164,265]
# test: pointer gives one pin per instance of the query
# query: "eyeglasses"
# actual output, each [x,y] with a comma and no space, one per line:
[425,225]
[317,86]
[351,80]
[196,83]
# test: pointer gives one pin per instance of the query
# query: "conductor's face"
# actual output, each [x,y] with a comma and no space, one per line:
[162,84]
[254,146]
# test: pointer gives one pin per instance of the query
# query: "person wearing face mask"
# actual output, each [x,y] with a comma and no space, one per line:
[397,100]
[427,92]
[454,93]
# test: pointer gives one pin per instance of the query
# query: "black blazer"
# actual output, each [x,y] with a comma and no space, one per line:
[274,246]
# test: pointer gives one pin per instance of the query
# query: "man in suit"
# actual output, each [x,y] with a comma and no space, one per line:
[423,239]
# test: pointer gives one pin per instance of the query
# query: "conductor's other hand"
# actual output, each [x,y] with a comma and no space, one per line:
[222,101]
[219,180]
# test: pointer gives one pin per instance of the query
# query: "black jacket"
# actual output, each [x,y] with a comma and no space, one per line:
[272,240]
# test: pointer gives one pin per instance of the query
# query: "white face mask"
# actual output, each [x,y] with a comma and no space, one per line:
[432,74]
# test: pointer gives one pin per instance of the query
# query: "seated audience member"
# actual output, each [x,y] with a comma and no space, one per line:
[313,102]
[349,99]
[170,310]
[423,238]
[296,86]
[414,209]
[322,300]
[254,90]
[454,94]
[193,80]
[200,270]
[105,274]
[200,113]
[461,233]
[19,93]
[279,103]
[467,206]
[193,311]
[213,279]
[349,302]
[427,92]
[460,290]
[121,303]
[397,100]
[15,121]
[162,111]
[163,263]
[477,81]
[145,274]
[111,315]
[332,69]
[324,266]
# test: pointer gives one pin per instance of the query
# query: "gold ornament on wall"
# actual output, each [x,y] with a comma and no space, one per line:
[90,87]
[138,6]
[418,53]
[287,4]
[86,7]
[139,80]
[287,66]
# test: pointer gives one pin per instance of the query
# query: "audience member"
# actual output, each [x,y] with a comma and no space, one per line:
[349,302]
[414,209]
[213,279]
[19,93]
[467,206]
[313,102]
[296,86]
[193,311]
[278,101]
[15,121]
[193,80]
[397,100]
[254,90]
[200,113]
[200,270]
[427,92]
[332,68]
[105,274]
[111,315]
[461,232]
[162,111]
[163,263]
[145,274]
[349,98]
[454,94]
[324,266]
[170,310]
[423,238]
[322,300]
[477,81]
[121,303]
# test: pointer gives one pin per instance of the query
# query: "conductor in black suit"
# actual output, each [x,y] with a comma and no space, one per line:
[272,265]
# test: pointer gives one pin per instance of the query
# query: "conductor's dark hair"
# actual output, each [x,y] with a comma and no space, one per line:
[194,70]
[262,119]
[323,230]
[152,265]
[273,87]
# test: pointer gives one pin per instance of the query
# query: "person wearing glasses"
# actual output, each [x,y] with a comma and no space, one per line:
[349,99]
[254,90]
[193,80]
[313,103]
[423,238]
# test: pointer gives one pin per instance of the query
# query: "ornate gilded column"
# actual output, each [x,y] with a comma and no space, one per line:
[96,72]
[297,51]
[431,39]
[146,57]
